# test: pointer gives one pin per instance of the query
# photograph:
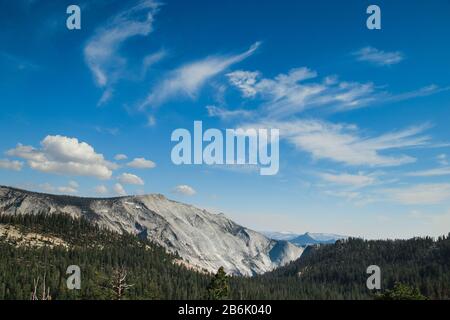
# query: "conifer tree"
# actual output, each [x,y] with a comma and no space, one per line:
[219,288]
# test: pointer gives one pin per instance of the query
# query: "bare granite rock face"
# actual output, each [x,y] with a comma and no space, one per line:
[201,238]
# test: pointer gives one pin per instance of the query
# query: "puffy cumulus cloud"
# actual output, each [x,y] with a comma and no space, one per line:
[101,190]
[141,163]
[120,157]
[11,165]
[70,188]
[184,190]
[119,190]
[66,156]
[128,178]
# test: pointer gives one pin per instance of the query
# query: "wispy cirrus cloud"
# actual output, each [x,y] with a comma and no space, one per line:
[379,57]
[294,92]
[444,171]
[189,78]
[299,90]
[344,143]
[421,194]
[352,180]
[225,114]
[102,50]
[18,63]
[442,159]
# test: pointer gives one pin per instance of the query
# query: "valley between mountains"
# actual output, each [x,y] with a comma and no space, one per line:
[170,250]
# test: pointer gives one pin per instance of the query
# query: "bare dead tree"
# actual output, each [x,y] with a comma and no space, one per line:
[45,291]
[119,283]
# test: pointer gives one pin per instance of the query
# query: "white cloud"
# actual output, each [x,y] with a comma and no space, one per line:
[188,79]
[64,155]
[151,59]
[67,190]
[111,131]
[354,180]
[102,50]
[442,159]
[128,178]
[47,187]
[184,190]
[421,194]
[73,184]
[151,121]
[445,171]
[421,92]
[224,114]
[101,190]
[348,195]
[379,57]
[291,93]
[119,190]
[344,143]
[11,165]
[245,81]
[141,163]
[70,188]
[120,157]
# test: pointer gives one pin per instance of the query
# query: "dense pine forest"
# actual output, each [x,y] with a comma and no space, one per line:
[144,270]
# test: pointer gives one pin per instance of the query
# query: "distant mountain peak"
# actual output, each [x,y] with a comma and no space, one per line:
[308,238]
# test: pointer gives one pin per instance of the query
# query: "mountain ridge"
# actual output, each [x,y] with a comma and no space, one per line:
[204,239]
[308,238]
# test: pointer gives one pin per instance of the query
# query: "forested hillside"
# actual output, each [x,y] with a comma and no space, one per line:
[338,271]
[45,245]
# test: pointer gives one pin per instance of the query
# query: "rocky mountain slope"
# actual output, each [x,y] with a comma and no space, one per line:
[201,238]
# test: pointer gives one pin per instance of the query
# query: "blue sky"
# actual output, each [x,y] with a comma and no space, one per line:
[363,114]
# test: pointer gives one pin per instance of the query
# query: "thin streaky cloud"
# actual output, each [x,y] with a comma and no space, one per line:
[298,90]
[226,114]
[187,80]
[379,57]
[344,143]
[445,171]
[354,180]
[421,194]
[102,50]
